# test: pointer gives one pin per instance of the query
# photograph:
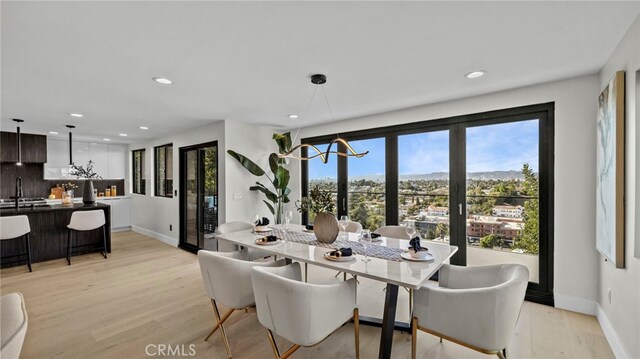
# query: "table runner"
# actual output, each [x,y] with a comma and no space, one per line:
[373,249]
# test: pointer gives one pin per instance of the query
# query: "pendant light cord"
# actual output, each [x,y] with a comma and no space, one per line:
[307,111]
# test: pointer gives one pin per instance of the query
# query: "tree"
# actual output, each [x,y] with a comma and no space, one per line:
[490,241]
[529,239]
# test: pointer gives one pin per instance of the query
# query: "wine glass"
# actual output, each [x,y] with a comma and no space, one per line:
[255,219]
[343,223]
[365,238]
[410,227]
[288,216]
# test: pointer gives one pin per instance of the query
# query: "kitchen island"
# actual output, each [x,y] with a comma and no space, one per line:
[49,232]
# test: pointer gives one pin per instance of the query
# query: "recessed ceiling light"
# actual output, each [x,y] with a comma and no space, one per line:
[53,132]
[123,134]
[76,115]
[106,139]
[144,127]
[162,80]
[475,74]
[293,116]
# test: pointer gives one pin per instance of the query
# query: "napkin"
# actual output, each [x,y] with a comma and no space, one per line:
[268,239]
[309,227]
[415,244]
[342,252]
[375,235]
[262,222]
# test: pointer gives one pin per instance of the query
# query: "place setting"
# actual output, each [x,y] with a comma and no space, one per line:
[340,255]
[415,252]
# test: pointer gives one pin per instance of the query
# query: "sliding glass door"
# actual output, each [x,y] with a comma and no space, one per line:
[198,196]
[482,182]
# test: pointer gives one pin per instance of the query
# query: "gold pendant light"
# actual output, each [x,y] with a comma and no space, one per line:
[320,79]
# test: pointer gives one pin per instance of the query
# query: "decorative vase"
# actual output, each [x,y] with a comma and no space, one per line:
[325,227]
[88,194]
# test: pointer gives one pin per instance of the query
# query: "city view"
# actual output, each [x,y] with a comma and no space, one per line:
[502,205]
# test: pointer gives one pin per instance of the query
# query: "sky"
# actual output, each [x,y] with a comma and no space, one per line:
[501,147]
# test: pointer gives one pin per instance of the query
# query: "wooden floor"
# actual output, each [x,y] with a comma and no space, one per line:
[150,293]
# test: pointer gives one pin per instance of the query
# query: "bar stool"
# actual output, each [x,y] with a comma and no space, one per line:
[86,221]
[15,227]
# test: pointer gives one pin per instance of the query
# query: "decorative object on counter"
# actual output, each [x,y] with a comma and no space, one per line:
[57,191]
[100,194]
[107,192]
[280,179]
[88,194]
[114,191]
[67,197]
[325,224]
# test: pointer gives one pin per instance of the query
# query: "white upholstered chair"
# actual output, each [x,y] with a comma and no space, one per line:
[227,280]
[86,221]
[477,307]
[304,314]
[13,325]
[15,227]
[230,227]
[392,232]
[353,227]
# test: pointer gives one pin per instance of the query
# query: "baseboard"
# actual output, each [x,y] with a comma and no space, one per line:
[120,229]
[575,304]
[161,237]
[610,334]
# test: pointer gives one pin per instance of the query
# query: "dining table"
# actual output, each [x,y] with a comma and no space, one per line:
[387,262]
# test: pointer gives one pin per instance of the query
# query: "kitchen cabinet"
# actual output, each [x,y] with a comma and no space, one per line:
[109,161]
[120,211]
[100,156]
[34,148]
[117,161]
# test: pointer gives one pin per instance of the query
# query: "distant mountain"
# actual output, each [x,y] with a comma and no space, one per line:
[435,176]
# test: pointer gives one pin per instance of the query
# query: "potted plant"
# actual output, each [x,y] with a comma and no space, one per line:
[88,193]
[320,203]
[278,194]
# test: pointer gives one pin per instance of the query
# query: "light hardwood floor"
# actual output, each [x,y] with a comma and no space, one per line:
[150,293]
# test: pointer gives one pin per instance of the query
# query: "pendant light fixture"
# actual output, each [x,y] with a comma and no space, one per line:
[319,80]
[19,141]
[70,127]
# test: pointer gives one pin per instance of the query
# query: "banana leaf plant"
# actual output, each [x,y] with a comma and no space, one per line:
[277,192]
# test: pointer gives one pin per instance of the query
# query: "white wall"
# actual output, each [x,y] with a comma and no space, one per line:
[254,142]
[622,315]
[152,215]
[575,257]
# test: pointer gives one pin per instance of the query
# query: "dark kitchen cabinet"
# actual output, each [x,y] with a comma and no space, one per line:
[34,148]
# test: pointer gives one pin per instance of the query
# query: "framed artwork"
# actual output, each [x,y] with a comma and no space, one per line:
[610,171]
[637,243]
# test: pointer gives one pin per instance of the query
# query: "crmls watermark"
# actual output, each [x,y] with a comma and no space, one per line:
[168,350]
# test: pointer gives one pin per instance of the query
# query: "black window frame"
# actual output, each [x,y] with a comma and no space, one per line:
[156,172]
[134,177]
[541,292]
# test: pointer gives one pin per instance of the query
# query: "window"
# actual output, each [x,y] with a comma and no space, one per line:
[164,170]
[482,182]
[139,180]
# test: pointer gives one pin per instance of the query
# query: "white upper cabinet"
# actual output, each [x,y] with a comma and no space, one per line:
[117,161]
[109,161]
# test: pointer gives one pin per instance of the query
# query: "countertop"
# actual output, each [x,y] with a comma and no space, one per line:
[53,207]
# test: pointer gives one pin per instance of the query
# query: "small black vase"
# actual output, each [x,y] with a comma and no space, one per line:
[88,195]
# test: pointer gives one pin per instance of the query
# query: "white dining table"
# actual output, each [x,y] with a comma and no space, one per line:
[405,273]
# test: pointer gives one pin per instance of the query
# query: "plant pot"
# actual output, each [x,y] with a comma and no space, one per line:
[88,194]
[325,227]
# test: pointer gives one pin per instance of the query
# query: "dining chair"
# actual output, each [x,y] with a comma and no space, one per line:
[82,221]
[302,313]
[476,307]
[14,227]
[353,227]
[13,324]
[392,232]
[230,227]
[227,280]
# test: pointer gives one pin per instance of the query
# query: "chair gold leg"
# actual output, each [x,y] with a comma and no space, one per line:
[500,354]
[222,333]
[218,322]
[414,336]
[356,329]
[306,271]
[410,303]
[290,351]
[440,339]
[274,346]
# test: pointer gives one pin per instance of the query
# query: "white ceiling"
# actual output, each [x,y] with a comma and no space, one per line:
[250,61]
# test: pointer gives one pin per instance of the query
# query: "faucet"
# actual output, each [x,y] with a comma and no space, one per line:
[19,193]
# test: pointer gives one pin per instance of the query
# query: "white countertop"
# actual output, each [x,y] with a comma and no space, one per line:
[79,199]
